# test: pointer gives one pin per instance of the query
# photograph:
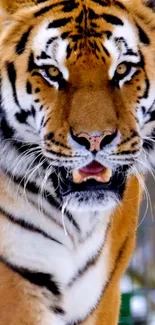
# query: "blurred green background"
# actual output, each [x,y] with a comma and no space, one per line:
[138,284]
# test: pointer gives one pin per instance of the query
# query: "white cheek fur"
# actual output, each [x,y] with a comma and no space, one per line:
[56,51]
[127,33]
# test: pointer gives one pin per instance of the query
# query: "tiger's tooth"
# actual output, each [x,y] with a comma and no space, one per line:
[77,177]
[106,174]
[102,177]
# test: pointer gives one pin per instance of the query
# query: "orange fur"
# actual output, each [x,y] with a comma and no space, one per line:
[20,302]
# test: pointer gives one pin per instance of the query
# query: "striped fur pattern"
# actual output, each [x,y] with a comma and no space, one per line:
[59,73]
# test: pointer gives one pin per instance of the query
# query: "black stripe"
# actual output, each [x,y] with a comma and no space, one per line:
[127,152]
[43,11]
[148,144]
[130,52]
[45,123]
[52,141]
[55,181]
[108,33]
[43,56]
[147,89]
[85,22]
[22,147]
[40,279]
[120,5]
[92,15]
[50,199]
[57,310]
[101,3]
[37,100]
[59,154]
[151,109]
[41,1]
[26,225]
[146,93]
[119,257]
[59,23]
[69,51]
[76,37]
[12,78]
[70,6]
[49,136]
[62,84]
[80,17]
[143,108]
[31,63]
[105,50]
[72,221]
[112,19]
[81,272]
[91,262]
[33,111]
[20,47]
[65,35]
[37,74]
[47,8]
[29,88]
[6,130]
[143,36]
[33,188]
[50,41]
[22,116]
[43,280]
[134,134]
[46,213]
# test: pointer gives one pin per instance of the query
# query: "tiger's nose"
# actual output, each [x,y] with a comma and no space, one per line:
[95,141]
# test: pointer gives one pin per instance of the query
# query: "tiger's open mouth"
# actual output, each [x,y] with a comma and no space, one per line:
[94,171]
[93,177]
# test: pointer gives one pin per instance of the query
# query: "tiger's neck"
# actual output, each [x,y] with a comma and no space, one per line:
[34,244]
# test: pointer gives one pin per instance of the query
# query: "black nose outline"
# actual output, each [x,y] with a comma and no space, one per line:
[85,142]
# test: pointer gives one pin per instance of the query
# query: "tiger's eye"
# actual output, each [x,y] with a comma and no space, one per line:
[53,72]
[121,69]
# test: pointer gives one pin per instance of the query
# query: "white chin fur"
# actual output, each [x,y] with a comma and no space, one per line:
[90,202]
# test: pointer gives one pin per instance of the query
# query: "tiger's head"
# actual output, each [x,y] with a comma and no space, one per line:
[78,81]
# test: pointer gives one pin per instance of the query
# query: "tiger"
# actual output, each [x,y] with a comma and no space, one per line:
[77,128]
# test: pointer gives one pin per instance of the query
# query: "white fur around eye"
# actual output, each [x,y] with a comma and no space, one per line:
[56,51]
[128,77]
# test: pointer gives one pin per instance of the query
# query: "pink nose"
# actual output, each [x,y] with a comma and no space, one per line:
[95,142]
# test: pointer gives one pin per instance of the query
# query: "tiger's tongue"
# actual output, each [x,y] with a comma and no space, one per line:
[92,171]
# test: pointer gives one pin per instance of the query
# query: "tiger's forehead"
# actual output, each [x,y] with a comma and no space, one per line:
[108,38]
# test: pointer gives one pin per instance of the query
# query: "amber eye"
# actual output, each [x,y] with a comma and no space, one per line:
[54,72]
[122,69]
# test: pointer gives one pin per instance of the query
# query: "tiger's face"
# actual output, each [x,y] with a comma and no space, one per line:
[78,81]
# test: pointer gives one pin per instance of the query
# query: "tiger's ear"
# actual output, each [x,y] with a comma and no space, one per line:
[11,6]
